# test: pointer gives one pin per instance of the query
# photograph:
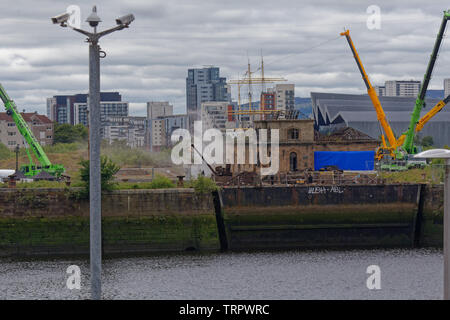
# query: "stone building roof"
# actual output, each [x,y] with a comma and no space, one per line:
[345,134]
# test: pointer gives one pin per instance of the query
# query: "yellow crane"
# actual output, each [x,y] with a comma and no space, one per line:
[385,148]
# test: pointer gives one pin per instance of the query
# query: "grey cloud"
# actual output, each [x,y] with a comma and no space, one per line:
[149,60]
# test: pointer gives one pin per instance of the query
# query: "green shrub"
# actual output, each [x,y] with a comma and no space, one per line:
[108,170]
[203,185]
[162,182]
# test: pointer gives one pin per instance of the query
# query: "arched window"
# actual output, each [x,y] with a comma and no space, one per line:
[293,161]
[293,134]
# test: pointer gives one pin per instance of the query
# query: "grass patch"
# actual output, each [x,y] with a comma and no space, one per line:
[429,174]
[160,182]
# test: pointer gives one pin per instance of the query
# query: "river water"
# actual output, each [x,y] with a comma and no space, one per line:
[405,274]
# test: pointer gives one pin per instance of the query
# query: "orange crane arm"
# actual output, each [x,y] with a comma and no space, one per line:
[430,114]
[372,94]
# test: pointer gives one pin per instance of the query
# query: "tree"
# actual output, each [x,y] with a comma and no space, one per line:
[108,170]
[427,141]
[66,133]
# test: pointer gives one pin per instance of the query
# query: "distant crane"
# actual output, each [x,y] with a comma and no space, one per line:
[30,169]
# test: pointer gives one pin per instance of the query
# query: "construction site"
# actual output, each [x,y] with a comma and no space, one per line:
[340,156]
[307,154]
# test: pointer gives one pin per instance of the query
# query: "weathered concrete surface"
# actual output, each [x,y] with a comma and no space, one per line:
[55,221]
[432,228]
[322,216]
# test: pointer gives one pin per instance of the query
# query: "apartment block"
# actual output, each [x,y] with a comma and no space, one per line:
[157,109]
[216,115]
[380,90]
[73,109]
[40,125]
[446,87]
[133,130]
[396,88]
[285,96]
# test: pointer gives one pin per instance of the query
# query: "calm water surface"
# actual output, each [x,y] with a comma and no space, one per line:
[405,274]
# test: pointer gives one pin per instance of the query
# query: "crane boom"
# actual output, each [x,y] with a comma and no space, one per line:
[426,117]
[408,145]
[29,137]
[430,114]
[372,94]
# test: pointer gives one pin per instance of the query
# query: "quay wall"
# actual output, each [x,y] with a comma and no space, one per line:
[56,221]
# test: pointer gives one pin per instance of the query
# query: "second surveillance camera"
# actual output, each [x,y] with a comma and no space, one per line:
[61,19]
[125,20]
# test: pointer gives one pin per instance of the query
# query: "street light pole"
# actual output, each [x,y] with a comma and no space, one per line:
[95,192]
[94,171]
[447,231]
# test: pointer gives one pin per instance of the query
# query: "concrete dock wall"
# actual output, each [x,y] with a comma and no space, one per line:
[55,221]
[432,216]
[321,216]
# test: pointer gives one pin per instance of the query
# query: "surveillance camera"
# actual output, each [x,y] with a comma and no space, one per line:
[125,20]
[61,19]
[93,18]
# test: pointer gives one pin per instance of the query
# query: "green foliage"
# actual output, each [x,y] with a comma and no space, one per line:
[108,170]
[427,141]
[203,185]
[5,153]
[162,182]
[66,133]
[429,174]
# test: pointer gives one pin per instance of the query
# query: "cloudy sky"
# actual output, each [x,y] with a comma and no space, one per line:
[149,61]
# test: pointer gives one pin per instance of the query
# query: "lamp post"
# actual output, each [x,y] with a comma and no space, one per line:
[443,154]
[94,137]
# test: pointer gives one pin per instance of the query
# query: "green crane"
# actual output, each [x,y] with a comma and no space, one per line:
[408,146]
[30,169]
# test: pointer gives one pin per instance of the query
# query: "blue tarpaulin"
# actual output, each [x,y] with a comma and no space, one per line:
[345,160]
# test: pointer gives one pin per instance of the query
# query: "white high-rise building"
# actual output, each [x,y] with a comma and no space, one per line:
[285,96]
[380,90]
[446,87]
[401,88]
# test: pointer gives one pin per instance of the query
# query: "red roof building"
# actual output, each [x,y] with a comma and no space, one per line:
[40,125]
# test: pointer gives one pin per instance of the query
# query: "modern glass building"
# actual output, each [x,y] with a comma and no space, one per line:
[204,85]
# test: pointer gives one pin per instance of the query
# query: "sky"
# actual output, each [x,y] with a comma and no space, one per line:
[148,62]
